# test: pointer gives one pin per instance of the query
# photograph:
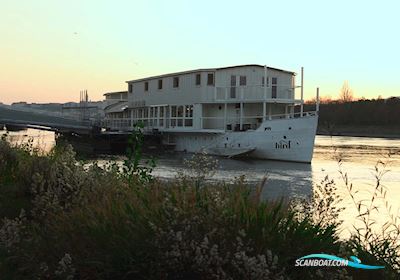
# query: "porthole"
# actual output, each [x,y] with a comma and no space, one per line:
[290,127]
[284,137]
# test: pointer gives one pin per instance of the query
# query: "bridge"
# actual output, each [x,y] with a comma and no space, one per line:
[45,121]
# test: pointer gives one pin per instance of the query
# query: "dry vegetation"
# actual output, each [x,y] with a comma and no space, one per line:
[61,220]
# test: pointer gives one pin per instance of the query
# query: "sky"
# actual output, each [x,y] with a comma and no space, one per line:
[50,50]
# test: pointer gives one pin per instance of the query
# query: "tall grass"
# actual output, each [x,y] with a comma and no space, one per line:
[111,223]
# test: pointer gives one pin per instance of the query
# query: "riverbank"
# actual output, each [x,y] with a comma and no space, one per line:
[63,220]
[360,131]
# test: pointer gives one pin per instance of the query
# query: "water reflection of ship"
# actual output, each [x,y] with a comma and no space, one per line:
[284,179]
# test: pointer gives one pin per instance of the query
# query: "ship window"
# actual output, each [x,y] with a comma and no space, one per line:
[176,82]
[198,79]
[159,84]
[263,81]
[189,111]
[180,111]
[130,88]
[173,111]
[210,79]
[242,81]
[146,86]
[161,112]
[274,87]
[189,122]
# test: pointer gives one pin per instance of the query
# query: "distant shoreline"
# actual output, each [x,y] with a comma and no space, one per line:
[360,131]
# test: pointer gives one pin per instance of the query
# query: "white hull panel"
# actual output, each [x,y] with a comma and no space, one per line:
[289,139]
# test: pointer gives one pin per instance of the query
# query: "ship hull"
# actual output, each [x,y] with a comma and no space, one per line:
[289,139]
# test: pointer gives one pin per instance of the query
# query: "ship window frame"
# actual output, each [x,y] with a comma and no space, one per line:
[146,86]
[263,81]
[188,122]
[175,82]
[188,111]
[173,111]
[274,87]
[210,81]
[242,80]
[130,88]
[160,84]
[198,79]
[180,111]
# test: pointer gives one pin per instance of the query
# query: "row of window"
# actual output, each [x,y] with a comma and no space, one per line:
[176,80]
[181,115]
[210,82]
[174,111]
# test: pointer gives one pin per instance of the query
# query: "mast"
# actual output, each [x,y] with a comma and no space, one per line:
[265,93]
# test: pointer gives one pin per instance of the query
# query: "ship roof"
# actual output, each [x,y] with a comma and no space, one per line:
[117,107]
[114,92]
[207,70]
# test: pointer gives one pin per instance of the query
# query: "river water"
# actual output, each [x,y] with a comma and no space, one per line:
[358,157]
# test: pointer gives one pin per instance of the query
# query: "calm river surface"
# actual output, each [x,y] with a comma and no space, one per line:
[359,156]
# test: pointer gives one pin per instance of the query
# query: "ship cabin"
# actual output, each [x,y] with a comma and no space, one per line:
[236,98]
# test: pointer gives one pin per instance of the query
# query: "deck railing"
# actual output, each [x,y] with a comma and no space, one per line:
[256,93]
[235,123]
[247,122]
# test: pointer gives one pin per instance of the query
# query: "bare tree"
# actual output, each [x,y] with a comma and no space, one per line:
[346,93]
[322,100]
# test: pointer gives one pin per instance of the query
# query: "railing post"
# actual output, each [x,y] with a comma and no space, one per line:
[265,82]
[241,116]
[317,101]
[269,112]
[302,91]
[264,110]
[225,114]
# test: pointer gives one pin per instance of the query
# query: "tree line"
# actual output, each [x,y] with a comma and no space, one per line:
[359,112]
[347,110]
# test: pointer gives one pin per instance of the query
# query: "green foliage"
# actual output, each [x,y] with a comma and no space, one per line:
[104,222]
[132,167]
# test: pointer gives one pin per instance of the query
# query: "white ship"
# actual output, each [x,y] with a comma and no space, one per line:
[231,111]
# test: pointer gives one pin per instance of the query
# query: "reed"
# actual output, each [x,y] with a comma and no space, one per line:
[105,222]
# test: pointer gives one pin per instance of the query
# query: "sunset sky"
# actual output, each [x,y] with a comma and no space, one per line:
[50,50]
